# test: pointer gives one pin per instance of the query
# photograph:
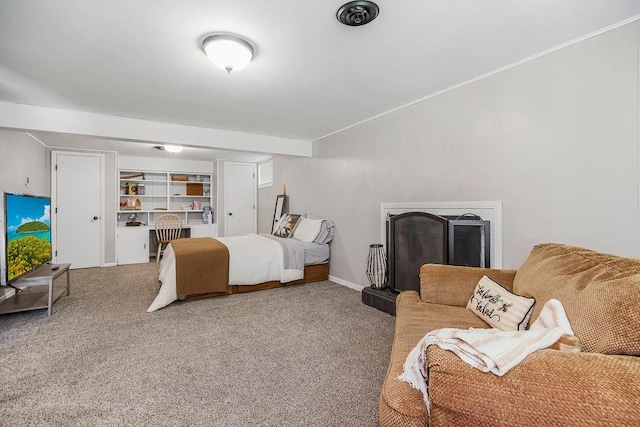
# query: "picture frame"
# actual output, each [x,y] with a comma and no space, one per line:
[279,210]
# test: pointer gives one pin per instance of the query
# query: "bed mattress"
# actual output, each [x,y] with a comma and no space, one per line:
[253,259]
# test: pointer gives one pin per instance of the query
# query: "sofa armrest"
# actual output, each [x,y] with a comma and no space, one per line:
[549,387]
[453,285]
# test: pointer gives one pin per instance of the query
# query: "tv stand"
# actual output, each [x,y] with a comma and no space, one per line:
[32,299]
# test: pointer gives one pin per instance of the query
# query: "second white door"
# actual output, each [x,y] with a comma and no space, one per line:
[240,198]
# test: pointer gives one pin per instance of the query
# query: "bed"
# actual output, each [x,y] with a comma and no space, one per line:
[255,262]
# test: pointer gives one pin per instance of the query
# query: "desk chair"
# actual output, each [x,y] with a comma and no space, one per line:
[168,228]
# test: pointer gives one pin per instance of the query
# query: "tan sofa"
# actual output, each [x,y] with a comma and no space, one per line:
[600,386]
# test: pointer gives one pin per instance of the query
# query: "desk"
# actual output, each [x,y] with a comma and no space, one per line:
[138,244]
[32,299]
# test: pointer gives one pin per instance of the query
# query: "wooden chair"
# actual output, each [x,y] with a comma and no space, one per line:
[168,228]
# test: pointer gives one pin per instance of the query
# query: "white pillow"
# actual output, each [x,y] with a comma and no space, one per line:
[326,230]
[307,229]
[500,307]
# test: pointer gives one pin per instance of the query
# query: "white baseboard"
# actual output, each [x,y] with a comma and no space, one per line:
[346,283]
[109,264]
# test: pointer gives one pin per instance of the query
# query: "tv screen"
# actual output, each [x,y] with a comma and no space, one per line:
[27,233]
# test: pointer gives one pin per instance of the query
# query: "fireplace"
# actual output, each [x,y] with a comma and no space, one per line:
[417,238]
[414,239]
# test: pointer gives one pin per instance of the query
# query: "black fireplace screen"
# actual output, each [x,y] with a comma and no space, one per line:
[417,238]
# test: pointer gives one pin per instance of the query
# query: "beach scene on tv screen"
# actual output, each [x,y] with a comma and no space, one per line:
[28,234]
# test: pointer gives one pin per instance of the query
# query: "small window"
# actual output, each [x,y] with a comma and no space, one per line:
[265,173]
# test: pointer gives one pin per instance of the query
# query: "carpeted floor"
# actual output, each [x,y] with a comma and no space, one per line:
[310,355]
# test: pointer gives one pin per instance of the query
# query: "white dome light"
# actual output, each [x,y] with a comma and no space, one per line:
[173,149]
[229,52]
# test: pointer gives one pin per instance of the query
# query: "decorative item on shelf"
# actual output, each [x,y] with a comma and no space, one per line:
[123,189]
[207,214]
[137,175]
[206,191]
[133,204]
[179,178]
[377,267]
[185,207]
[132,188]
[194,189]
[132,220]
[199,178]
[141,190]
[195,205]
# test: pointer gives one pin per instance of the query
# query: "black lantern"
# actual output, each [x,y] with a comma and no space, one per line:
[377,267]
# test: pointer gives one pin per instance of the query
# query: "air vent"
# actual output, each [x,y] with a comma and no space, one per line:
[356,13]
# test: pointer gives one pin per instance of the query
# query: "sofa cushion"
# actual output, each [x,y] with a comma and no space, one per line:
[400,404]
[600,294]
[548,388]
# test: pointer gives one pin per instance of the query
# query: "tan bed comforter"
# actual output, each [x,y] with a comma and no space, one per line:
[202,266]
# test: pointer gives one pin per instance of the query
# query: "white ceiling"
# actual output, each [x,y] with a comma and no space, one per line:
[312,75]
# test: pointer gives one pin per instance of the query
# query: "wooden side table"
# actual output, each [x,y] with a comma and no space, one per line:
[34,300]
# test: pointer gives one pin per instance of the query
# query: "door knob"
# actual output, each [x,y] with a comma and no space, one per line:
[230,214]
[95,218]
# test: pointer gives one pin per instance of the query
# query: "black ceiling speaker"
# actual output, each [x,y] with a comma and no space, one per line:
[356,13]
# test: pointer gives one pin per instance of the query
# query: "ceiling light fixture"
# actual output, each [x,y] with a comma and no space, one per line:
[173,149]
[228,51]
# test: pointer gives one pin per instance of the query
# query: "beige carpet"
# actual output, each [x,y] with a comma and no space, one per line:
[310,355]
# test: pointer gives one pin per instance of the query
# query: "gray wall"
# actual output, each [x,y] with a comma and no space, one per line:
[20,158]
[555,139]
[111,192]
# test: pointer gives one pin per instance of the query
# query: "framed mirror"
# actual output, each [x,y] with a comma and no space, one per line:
[280,201]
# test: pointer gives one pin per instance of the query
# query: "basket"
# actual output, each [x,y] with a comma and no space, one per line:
[194,189]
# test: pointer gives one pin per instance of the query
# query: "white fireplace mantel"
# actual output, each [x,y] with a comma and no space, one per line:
[488,211]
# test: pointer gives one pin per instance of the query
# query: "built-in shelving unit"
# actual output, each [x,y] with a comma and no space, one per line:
[151,194]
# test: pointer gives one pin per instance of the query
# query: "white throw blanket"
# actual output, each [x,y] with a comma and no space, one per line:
[489,350]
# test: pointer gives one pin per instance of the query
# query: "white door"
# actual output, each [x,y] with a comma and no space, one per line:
[77,193]
[240,198]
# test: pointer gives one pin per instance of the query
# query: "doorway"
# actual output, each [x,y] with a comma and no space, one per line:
[77,194]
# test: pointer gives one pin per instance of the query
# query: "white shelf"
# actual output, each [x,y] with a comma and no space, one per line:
[143,195]
[142,181]
[160,192]
[159,211]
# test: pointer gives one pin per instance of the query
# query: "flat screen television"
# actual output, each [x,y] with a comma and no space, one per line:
[27,234]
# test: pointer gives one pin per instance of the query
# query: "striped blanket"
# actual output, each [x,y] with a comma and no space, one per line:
[492,350]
